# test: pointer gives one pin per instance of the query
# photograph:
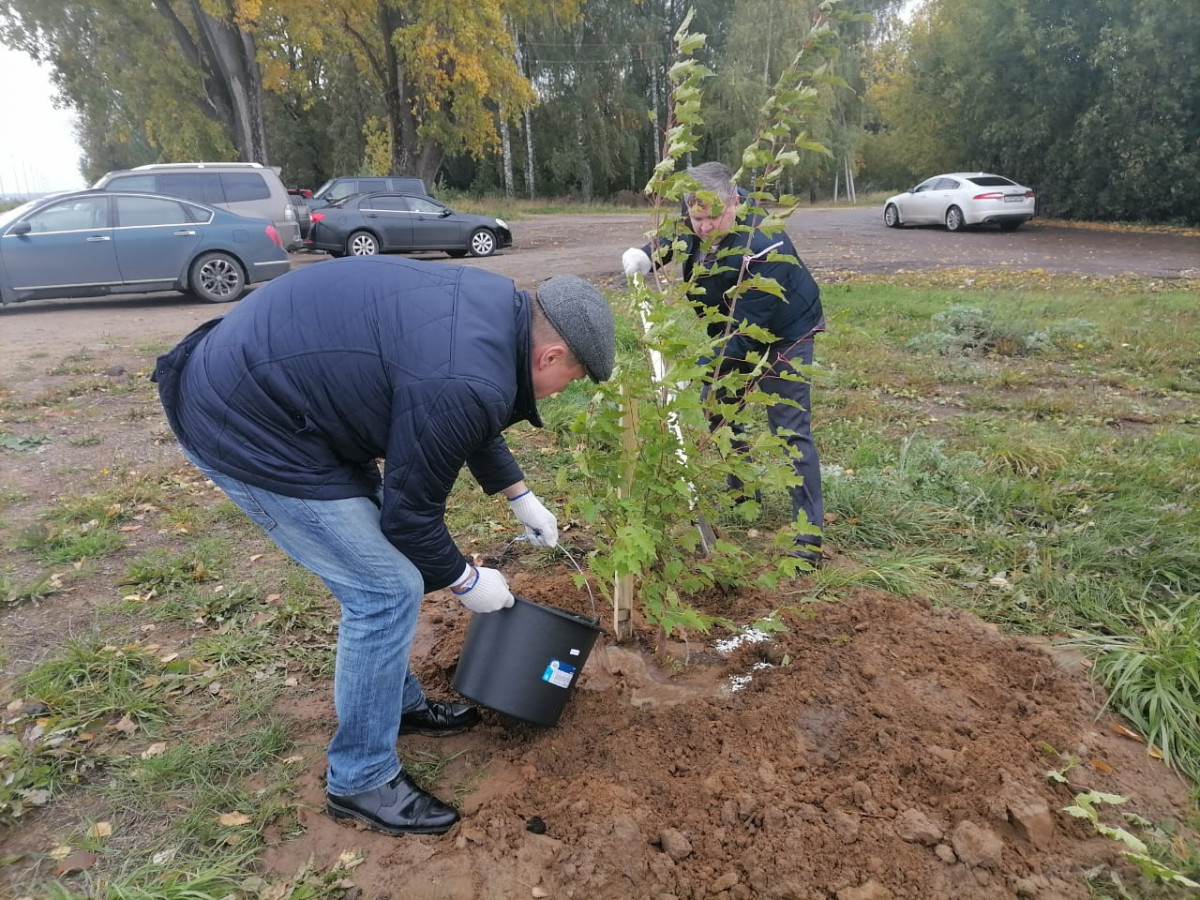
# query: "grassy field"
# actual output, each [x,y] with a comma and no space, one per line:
[1021,446]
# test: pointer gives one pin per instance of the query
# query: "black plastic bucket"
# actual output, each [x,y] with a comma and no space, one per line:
[524,661]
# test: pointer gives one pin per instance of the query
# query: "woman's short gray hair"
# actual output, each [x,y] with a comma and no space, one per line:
[712,178]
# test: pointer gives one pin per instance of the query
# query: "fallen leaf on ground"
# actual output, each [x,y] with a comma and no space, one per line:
[1128,733]
[75,862]
[100,830]
[233,818]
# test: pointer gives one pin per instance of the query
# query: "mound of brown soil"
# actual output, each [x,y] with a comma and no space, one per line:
[877,749]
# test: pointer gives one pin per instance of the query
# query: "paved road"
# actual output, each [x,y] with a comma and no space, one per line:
[856,240]
[829,240]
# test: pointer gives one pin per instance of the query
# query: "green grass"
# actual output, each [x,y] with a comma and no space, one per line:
[94,681]
[161,569]
[14,591]
[89,687]
[1153,678]
[198,822]
[71,543]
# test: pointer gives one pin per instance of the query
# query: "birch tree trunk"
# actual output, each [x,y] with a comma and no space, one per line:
[585,168]
[529,170]
[655,128]
[506,151]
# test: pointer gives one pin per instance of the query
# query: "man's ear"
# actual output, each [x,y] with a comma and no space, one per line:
[549,354]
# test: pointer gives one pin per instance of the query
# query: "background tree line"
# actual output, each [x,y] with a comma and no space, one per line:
[1091,102]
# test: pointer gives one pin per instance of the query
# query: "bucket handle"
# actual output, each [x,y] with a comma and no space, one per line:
[568,555]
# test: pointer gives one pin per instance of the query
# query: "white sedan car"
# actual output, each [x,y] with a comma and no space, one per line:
[959,199]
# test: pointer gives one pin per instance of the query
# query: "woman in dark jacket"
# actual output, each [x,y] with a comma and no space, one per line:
[723,247]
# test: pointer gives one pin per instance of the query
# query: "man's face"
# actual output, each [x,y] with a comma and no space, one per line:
[710,227]
[553,370]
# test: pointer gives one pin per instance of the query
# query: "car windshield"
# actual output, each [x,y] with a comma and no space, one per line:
[320,192]
[992,181]
[7,218]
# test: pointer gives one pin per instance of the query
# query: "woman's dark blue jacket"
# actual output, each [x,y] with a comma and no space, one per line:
[318,374]
[791,317]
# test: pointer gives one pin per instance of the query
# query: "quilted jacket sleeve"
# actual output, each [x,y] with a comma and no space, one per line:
[493,466]
[436,427]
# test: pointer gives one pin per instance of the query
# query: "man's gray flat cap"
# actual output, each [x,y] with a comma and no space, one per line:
[582,316]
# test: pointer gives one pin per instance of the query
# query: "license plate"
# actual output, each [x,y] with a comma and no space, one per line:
[1013,198]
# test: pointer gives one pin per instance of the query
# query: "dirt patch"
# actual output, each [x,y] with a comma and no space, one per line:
[879,748]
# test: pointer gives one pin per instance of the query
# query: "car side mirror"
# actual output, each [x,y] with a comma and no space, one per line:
[21,228]
[444,213]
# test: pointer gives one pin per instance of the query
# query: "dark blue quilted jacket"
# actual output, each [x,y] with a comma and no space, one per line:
[317,374]
[794,317]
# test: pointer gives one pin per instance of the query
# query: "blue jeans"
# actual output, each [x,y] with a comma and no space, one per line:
[380,594]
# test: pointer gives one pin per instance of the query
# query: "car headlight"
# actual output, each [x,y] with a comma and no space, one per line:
[502,224]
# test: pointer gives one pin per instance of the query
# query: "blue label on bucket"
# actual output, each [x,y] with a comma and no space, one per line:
[559,673]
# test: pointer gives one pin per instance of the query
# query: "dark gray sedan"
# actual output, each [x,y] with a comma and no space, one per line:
[387,222]
[98,243]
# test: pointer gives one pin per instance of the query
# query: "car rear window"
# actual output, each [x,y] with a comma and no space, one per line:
[412,185]
[133,183]
[242,186]
[991,181]
[142,211]
[394,204]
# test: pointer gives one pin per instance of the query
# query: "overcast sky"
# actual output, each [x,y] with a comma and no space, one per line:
[38,152]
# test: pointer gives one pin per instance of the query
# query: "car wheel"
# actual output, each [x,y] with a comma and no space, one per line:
[483,242]
[954,219]
[891,216]
[457,254]
[362,243]
[217,278]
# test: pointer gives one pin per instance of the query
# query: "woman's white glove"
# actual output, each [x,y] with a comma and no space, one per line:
[483,590]
[635,262]
[541,527]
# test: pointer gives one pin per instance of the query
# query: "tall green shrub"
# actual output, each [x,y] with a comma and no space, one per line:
[648,462]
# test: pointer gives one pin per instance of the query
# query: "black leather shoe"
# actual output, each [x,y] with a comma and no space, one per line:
[810,553]
[439,718]
[399,807]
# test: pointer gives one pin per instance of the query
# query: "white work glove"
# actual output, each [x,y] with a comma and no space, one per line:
[541,527]
[483,590]
[635,262]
